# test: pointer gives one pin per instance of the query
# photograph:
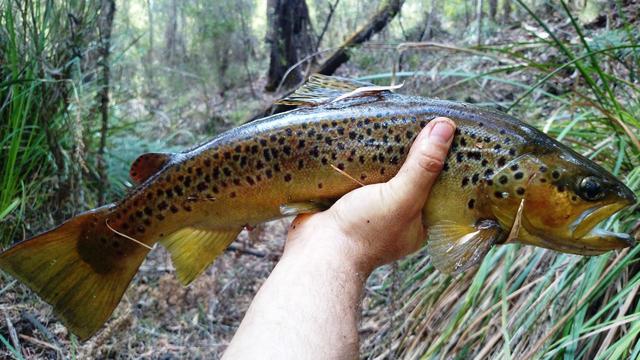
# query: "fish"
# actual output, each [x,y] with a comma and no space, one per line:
[503,181]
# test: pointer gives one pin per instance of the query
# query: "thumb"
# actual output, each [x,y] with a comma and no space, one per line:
[412,184]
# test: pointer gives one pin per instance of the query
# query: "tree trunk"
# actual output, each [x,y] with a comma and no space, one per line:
[148,65]
[506,12]
[372,27]
[105,25]
[289,36]
[493,9]
[170,36]
[479,18]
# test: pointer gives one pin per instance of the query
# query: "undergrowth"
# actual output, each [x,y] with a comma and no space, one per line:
[525,302]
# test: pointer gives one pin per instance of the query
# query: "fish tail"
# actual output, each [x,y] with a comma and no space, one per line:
[81,268]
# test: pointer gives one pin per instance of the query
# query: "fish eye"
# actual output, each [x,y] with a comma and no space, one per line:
[590,189]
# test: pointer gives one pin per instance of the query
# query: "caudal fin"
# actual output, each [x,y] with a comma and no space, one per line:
[81,268]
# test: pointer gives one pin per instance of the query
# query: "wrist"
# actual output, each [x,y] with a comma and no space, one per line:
[317,242]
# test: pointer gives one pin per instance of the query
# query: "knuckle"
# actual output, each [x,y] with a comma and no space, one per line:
[430,163]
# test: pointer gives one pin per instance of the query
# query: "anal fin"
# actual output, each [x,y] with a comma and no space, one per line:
[193,249]
[455,248]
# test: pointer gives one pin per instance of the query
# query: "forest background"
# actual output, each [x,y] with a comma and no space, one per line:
[87,86]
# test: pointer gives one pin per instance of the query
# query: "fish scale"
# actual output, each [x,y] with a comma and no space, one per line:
[499,172]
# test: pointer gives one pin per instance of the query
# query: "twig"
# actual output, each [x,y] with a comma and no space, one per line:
[244,251]
[106,221]
[342,172]
[332,9]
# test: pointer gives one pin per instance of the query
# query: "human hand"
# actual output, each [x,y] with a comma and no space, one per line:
[378,223]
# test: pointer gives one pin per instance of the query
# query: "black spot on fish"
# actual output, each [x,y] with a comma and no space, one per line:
[276,167]
[328,140]
[555,174]
[288,131]
[445,167]
[471,204]
[501,161]
[227,155]
[315,152]
[397,138]
[174,209]
[463,142]
[409,134]
[163,205]
[497,147]
[341,166]
[561,188]
[215,189]
[250,180]
[520,191]
[512,151]
[423,123]
[243,161]
[475,178]
[254,149]
[236,182]
[274,153]
[487,139]
[369,132]
[488,173]
[543,169]
[503,131]
[266,154]
[519,175]
[169,193]
[269,173]
[465,181]
[319,185]
[503,179]
[178,190]
[273,138]
[514,167]
[207,163]
[484,162]
[281,141]
[301,144]
[201,186]
[382,171]
[340,130]
[311,133]
[498,194]
[459,157]
[226,171]
[287,177]
[324,160]
[259,165]
[352,135]
[232,194]
[300,164]
[474,155]
[361,159]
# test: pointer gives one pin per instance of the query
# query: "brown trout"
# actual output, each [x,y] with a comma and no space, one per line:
[503,181]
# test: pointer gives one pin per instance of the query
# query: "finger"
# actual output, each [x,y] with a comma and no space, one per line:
[412,184]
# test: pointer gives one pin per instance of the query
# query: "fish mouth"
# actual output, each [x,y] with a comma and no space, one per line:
[588,240]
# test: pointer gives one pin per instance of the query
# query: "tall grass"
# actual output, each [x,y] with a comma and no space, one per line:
[525,302]
[42,45]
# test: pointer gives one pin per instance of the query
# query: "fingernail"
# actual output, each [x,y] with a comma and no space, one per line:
[442,132]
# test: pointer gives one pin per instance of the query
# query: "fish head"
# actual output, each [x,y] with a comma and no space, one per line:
[564,196]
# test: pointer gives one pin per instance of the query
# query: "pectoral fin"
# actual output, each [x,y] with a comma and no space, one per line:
[193,249]
[455,248]
[304,207]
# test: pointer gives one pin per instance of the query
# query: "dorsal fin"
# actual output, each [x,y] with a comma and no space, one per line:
[146,165]
[320,89]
